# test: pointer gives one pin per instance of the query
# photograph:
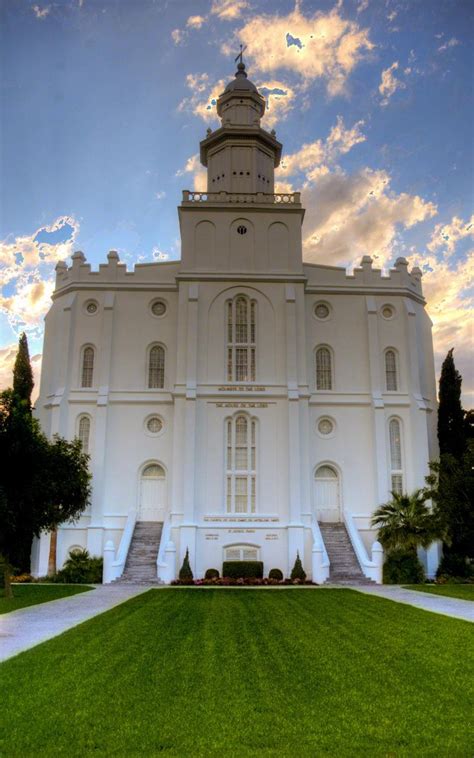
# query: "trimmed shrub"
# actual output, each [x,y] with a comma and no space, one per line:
[80,568]
[297,572]
[275,574]
[402,567]
[211,574]
[185,572]
[452,565]
[242,569]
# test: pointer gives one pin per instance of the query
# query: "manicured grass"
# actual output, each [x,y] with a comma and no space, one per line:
[460,591]
[33,594]
[239,672]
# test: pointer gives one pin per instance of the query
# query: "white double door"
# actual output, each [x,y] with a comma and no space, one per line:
[152,494]
[327,495]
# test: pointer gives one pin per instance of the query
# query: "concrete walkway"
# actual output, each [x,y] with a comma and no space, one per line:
[447,606]
[22,629]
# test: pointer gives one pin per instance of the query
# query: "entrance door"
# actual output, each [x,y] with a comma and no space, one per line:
[326,482]
[152,493]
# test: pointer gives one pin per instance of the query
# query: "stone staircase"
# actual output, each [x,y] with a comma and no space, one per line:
[140,566]
[344,568]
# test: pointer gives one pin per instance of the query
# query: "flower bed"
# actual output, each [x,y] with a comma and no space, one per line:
[226,581]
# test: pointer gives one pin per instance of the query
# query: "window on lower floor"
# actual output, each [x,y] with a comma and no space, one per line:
[396,468]
[241,447]
[83,432]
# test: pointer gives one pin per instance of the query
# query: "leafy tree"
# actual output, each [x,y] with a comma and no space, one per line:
[22,373]
[451,487]
[42,483]
[185,572]
[451,424]
[298,572]
[406,522]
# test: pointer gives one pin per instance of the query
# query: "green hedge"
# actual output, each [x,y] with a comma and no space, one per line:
[276,574]
[243,569]
[402,567]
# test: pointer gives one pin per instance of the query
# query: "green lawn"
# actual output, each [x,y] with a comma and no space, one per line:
[241,672]
[32,594]
[460,591]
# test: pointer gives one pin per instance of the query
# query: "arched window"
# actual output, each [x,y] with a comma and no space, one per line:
[156,367]
[391,379]
[323,369]
[241,339]
[83,432]
[87,374]
[241,470]
[396,468]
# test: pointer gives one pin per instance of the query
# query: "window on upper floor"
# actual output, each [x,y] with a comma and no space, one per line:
[156,367]
[241,339]
[83,432]
[391,378]
[396,465]
[241,471]
[87,372]
[324,379]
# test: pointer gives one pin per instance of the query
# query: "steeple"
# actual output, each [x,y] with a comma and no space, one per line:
[240,156]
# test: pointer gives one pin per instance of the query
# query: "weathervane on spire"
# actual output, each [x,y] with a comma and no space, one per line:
[239,56]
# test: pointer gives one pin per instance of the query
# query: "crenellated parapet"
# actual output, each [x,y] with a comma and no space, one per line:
[365,276]
[114,273]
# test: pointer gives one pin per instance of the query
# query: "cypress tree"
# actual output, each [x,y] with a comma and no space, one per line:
[185,572]
[22,373]
[451,424]
[298,571]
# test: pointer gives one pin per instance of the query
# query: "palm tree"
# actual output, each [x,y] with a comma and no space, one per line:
[406,522]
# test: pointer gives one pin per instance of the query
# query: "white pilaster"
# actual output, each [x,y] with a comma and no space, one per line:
[378,406]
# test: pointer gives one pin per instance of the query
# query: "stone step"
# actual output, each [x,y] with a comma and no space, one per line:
[344,567]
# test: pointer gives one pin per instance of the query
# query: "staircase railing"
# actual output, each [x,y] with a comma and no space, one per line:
[166,558]
[371,568]
[114,566]
[320,558]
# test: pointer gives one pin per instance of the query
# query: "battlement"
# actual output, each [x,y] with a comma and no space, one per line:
[114,272]
[364,276]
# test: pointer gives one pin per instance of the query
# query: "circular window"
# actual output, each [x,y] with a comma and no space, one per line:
[154,424]
[325,426]
[91,307]
[388,312]
[241,230]
[321,311]
[158,308]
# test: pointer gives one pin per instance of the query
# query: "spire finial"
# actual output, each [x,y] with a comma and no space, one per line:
[241,65]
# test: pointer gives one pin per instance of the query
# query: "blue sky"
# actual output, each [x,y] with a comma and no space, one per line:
[104,104]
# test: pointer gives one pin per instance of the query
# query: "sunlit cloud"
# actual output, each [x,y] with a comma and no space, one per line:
[27,271]
[178,36]
[446,236]
[319,46]
[41,12]
[389,83]
[195,22]
[229,10]
[453,42]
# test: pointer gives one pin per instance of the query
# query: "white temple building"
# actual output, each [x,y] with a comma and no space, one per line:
[239,402]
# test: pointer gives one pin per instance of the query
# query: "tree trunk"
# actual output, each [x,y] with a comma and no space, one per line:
[52,560]
[7,581]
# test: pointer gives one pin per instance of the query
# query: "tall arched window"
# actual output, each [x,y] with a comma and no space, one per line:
[83,432]
[241,339]
[241,469]
[87,374]
[396,467]
[323,369]
[391,379]
[156,367]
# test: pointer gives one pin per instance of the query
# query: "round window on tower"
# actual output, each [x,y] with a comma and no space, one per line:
[158,308]
[388,312]
[241,229]
[325,427]
[322,311]
[91,307]
[154,425]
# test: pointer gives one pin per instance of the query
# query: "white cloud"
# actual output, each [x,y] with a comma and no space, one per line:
[41,13]
[453,42]
[202,101]
[159,255]
[389,83]
[280,99]
[26,264]
[312,157]
[320,46]
[160,195]
[228,10]
[195,22]
[178,36]
[363,5]
[349,216]
[446,236]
